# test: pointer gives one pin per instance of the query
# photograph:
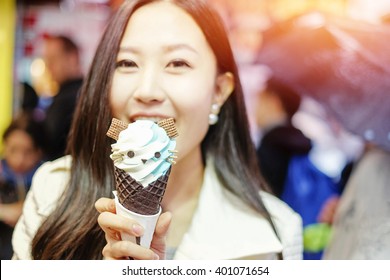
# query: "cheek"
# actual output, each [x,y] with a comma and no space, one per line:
[191,95]
[118,96]
[192,107]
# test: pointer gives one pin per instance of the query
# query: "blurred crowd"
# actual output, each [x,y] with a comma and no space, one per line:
[37,133]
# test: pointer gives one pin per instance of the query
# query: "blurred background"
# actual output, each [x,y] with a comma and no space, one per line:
[25,23]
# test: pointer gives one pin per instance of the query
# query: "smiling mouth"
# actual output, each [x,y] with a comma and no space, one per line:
[153,119]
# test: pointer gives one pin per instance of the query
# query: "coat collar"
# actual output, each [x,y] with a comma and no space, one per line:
[224,227]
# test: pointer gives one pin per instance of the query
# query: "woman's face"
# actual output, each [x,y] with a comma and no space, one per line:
[166,68]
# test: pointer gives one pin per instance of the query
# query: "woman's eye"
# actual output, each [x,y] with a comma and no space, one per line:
[125,65]
[178,63]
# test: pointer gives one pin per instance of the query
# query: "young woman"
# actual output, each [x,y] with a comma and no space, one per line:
[160,59]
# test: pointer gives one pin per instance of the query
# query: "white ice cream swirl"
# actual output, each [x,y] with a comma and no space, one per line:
[144,151]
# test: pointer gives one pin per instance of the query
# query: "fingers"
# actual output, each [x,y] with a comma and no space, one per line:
[126,249]
[115,248]
[112,223]
[105,204]
[162,226]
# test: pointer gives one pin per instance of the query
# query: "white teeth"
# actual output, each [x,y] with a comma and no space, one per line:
[154,119]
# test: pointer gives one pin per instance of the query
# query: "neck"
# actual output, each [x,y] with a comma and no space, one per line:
[184,182]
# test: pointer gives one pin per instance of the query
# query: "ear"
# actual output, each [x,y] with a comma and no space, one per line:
[225,86]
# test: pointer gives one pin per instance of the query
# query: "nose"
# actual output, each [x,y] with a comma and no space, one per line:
[148,88]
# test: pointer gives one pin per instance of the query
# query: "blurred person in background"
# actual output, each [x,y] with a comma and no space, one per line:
[62,59]
[29,98]
[280,140]
[23,143]
[283,155]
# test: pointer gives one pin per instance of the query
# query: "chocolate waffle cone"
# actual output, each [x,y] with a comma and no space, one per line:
[134,197]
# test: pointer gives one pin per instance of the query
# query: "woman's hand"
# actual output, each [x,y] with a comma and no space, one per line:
[113,224]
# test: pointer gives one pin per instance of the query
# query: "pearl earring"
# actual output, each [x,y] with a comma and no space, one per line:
[213,116]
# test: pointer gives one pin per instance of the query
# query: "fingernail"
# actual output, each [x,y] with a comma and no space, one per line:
[156,257]
[138,229]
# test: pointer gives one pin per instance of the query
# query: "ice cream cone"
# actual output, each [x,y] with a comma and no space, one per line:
[134,197]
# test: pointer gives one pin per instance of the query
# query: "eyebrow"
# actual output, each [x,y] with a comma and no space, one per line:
[175,47]
[129,50]
[166,49]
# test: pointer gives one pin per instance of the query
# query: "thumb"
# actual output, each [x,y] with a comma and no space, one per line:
[159,238]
